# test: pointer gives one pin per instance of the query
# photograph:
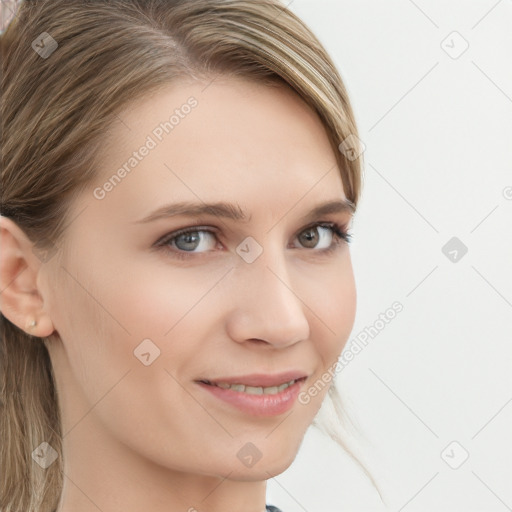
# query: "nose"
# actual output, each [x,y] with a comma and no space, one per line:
[267,307]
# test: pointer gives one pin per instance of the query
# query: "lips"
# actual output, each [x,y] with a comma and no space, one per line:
[258,380]
[263,401]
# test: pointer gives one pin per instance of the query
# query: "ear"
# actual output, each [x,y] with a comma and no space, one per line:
[20,300]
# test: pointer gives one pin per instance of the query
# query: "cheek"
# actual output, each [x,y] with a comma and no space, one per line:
[93,340]
[158,300]
[91,317]
[335,305]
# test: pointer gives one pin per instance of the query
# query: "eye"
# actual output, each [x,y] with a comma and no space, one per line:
[329,235]
[191,239]
[322,237]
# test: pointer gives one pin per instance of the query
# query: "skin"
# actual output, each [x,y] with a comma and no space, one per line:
[142,437]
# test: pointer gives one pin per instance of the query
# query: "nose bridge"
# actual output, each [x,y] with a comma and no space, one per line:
[270,306]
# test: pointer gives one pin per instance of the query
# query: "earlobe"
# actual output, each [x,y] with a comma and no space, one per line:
[20,300]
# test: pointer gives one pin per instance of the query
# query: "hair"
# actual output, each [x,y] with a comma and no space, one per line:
[56,112]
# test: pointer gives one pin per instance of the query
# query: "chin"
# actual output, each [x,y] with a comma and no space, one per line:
[263,469]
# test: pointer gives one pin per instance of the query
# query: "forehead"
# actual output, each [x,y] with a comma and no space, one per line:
[230,139]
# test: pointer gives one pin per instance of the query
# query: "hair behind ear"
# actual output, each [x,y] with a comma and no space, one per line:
[28,417]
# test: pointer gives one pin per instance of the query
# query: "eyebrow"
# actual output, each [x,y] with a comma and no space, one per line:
[235,212]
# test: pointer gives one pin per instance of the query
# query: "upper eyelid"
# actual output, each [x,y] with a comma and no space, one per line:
[213,229]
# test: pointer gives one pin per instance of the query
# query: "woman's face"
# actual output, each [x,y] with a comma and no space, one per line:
[143,318]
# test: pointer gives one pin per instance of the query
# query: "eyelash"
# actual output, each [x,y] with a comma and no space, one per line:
[340,235]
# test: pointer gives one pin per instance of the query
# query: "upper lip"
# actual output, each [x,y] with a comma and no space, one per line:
[260,379]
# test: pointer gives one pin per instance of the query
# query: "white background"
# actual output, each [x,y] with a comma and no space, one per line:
[438,164]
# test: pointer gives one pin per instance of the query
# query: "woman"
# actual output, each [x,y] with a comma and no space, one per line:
[177,184]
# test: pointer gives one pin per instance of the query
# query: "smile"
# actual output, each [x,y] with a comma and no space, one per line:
[256,400]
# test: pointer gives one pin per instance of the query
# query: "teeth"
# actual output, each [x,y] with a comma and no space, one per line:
[272,390]
[285,385]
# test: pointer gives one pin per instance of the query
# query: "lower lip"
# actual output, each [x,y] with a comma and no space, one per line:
[257,405]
